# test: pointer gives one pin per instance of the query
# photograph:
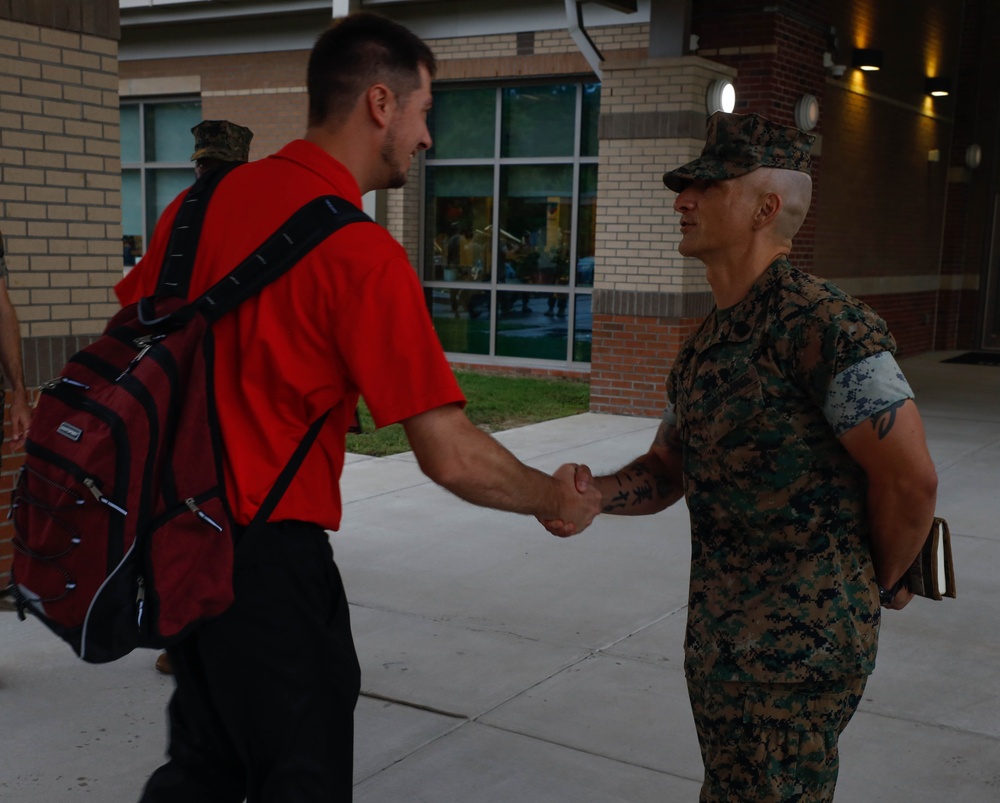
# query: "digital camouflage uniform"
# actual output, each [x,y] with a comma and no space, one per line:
[222,140]
[783,594]
[784,609]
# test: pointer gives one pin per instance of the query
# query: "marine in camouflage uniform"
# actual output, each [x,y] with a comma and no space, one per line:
[782,584]
[779,434]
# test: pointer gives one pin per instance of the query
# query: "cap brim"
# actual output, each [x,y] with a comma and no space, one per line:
[213,153]
[704,168]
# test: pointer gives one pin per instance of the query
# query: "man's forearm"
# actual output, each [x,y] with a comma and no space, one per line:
[485,473]
[477,468]
[900,520]
[891,447]
[10,344]
[644,486]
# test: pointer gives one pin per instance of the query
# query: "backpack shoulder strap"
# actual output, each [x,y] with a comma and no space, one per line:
[302,232]
[287,475]
[178,263]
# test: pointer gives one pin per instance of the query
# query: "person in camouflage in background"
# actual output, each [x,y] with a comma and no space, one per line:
[218,141]
[793,436]
[215,142]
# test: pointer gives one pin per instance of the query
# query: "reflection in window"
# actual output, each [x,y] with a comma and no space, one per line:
[464,124]
[537,207]
[539,120]
[586,230]
[532,325]
[522,198]
[461,318]
[459,215]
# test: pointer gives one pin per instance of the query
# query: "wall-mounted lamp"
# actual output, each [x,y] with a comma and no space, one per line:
[938,87]
[867,59]
[721,96]
[807,112]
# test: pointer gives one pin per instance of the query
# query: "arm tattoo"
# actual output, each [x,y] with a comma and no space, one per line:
[884,421]
[637,484]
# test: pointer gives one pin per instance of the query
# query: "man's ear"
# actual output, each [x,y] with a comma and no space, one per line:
[381,103]
[768,206]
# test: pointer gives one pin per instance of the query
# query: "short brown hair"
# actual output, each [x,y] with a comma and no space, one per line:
[357,51]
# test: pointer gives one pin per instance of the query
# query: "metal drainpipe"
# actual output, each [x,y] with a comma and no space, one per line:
[574,22]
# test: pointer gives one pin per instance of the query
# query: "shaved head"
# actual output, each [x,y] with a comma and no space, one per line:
[795,189]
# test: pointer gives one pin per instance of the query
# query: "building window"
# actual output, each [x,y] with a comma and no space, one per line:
[510,190]
[156,164]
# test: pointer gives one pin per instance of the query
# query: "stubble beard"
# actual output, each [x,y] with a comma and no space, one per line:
[397,177]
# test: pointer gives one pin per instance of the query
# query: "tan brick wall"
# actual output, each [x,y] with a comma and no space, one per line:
[637,228]
[60,177]
[265,92]
[60,186]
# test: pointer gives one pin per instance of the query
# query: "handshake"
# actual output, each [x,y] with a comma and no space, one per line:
[579,501]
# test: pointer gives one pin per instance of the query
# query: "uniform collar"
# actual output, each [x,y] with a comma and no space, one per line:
[736,323]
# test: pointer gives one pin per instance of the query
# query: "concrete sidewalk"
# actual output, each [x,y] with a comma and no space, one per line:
[501,664]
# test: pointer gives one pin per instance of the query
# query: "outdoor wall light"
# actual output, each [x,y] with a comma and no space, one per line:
[721,96]
[937,87]
[867,59]
[807,112]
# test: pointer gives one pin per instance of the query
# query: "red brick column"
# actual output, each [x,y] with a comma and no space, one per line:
[631,357]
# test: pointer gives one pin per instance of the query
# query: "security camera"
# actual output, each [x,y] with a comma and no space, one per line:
[837,70]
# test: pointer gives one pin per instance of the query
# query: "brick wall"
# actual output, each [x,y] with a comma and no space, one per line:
[265,92]
[636,355]
[778,58]
[911,318]
[60,185]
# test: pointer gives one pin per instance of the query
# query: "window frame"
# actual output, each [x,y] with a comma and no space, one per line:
[144,166]
[498,163]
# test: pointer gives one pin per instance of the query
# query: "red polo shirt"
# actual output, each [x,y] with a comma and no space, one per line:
[349,318]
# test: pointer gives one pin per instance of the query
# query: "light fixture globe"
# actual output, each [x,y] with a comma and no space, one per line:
[807,112]
[721,96]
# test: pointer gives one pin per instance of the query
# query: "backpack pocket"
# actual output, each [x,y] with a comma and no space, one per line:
[70,524]
[189,566]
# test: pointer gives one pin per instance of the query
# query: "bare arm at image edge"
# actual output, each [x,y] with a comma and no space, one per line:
[13,368]
[460,457]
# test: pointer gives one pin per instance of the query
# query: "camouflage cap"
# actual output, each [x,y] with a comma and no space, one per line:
[221,139]
[737,144]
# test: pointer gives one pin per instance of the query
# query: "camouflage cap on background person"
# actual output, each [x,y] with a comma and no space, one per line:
[736,144]
[221,139]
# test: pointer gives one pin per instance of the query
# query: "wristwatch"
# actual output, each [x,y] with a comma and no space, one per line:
[887,595]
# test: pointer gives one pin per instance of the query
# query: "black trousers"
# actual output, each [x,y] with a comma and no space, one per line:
[264,704]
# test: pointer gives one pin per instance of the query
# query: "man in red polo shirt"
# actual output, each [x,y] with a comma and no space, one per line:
[265,694]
